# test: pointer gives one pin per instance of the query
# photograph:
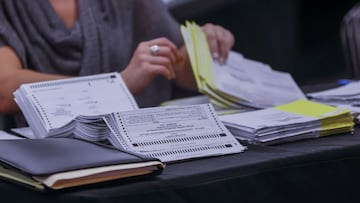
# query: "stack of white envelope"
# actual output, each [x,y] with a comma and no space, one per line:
[289,122]
[241,81]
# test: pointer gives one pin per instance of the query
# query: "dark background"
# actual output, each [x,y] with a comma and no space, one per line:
[298,36]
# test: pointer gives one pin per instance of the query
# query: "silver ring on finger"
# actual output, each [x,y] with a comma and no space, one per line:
[154,49]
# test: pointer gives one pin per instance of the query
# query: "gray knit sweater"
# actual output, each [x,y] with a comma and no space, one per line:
[102,40]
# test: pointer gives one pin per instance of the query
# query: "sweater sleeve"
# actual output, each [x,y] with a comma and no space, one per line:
[153,20]
[8,37]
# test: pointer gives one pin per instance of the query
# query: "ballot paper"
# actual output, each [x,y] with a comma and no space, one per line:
[172,133]
[240,81]
[289,122]
[73,106]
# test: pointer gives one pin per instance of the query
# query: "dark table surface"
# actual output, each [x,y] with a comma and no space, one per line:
[324,169]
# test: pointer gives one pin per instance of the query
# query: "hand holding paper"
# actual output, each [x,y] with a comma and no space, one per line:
[240,82]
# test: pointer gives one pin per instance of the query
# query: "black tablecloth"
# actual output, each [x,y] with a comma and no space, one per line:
[316,170]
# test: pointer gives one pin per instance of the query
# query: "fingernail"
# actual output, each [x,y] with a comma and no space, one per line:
[222,61]
[215,55]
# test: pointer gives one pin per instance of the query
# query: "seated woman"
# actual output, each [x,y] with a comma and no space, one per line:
[53,39]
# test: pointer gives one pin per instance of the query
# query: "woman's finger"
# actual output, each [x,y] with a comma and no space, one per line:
[165,62]
[163,57]
[163,42]
[212,40]
[226,43]
[164,51]
[220,41]
[157,69]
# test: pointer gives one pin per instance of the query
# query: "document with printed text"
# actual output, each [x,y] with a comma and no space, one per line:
[172,133]
[50,107]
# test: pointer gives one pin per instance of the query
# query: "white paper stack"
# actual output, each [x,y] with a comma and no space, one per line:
[73,107]
[289,122]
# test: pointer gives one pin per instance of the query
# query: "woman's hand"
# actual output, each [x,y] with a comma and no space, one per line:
[220,41]
[150,59]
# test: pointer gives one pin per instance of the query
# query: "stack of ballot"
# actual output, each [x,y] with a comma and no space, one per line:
[296,120]
[240,82]
[80,108]
[73,107]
